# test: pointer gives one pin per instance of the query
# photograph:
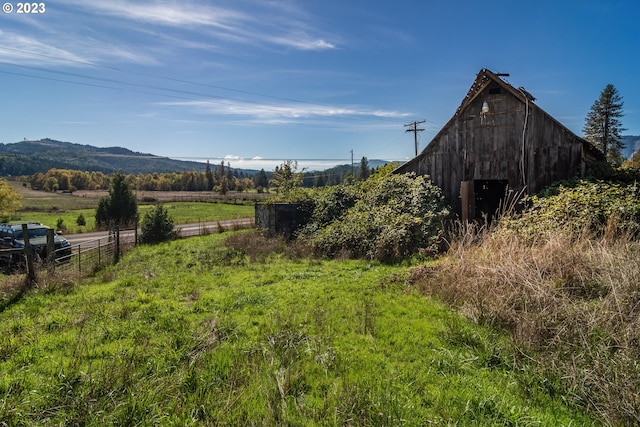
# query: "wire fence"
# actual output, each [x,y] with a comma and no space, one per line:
[88,256]
[80,259]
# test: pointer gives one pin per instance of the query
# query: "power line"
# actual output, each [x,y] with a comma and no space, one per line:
[198,95]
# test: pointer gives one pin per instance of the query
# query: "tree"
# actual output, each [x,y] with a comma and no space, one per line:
[223,187]
[602,125]
[9,201]
[363,171]
[120,206]
[81,221]
[157,226]
[261,180]
[286,177]
[209,174]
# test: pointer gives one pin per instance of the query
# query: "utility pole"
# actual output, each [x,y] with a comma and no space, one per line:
[353,173]
[415,131]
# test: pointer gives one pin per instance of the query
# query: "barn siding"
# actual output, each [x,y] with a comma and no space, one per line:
[468,149]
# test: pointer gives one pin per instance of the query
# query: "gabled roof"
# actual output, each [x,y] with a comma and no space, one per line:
[484,79]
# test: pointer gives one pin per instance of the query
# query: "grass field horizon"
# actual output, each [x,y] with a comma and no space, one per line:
[51,207]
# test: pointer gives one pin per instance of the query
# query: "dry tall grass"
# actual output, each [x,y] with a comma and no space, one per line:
[571,304]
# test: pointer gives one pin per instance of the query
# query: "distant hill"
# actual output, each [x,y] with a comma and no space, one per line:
[30,157]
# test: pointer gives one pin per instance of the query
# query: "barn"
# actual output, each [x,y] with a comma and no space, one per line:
[499,143]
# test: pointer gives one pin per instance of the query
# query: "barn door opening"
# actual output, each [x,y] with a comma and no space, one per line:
[489,194]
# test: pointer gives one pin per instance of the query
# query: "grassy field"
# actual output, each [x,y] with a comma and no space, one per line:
[48,208]
[244,331]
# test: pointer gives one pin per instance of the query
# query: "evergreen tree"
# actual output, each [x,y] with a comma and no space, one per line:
[603,126]
[157,226]
[261,180]
[231,181]
[209,176]
[220,173]
[363,171]
[120,206]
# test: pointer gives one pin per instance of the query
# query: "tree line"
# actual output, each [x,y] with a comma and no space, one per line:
[221,179]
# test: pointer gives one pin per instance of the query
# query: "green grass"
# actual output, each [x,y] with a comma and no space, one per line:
[181,212]
[193,332]
[48,208]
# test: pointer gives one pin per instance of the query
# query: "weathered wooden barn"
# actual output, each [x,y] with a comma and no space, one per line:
[499,142]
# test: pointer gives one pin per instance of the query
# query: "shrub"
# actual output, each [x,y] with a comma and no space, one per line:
[595,208]
[157,226]
[387,217]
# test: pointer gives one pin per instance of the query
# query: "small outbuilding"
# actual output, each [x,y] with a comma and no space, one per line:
[499,143]
[278,218]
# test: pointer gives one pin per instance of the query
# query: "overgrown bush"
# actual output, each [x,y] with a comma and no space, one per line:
[387,217]
[157,226]
[597,208]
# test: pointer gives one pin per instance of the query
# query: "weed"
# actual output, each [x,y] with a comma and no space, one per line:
[570,304]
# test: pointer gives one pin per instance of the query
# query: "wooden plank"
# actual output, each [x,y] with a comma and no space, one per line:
[467,200]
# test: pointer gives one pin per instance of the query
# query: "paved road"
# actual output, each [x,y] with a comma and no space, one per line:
[184,230]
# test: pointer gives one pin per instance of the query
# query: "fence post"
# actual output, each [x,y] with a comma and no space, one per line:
[31,271]
[116,258]
[79,261]
[51,248]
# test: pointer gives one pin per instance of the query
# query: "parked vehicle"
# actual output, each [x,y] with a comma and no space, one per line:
[11,237]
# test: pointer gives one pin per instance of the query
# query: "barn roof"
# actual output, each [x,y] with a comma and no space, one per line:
[483,79]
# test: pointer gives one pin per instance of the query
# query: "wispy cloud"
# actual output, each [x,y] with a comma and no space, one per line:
[175,14]
[258,25]
[303,42]
[280,114]
[26,50]
[23,49]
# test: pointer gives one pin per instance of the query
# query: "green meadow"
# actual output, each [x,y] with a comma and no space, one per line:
[232,329]
[51,208]
[181,212]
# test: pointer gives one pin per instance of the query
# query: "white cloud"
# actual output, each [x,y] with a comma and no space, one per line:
[17,48]
[257,163]
[177,14]
[258,26]
[278,114]
[303,42]
[26,50]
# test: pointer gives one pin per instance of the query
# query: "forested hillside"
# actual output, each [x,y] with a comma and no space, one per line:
[30,157]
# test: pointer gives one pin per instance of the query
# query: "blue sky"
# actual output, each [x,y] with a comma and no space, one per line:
[299,80]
